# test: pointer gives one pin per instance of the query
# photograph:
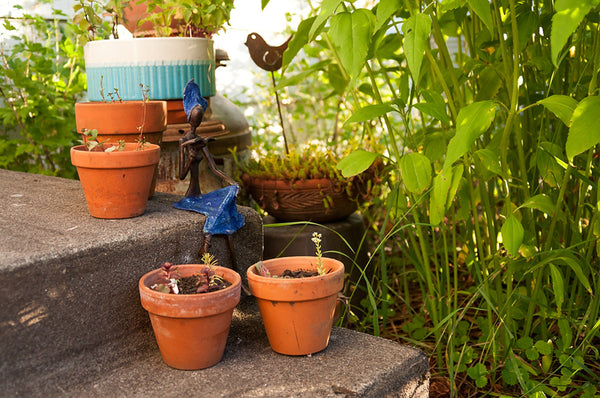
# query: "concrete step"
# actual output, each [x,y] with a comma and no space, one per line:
[71,323]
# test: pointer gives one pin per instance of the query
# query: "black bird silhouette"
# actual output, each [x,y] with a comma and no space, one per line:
[265,56]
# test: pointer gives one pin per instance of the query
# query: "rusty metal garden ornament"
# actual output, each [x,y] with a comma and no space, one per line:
[269,58]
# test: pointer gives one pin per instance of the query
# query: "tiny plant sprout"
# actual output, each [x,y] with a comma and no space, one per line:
[168,281]
[316,238]
[262,269]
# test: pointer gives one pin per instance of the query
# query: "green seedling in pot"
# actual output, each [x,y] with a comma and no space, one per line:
[91,142]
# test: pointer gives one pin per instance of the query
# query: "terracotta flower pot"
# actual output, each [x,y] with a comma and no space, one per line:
[191,329]
[117,121]
[116,184]
[297,312]
[302,200]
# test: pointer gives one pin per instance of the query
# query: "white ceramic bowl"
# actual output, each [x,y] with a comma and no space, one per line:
[164,64]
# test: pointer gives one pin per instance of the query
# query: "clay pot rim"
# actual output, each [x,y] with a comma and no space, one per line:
[119,103]
[129,147]
[190,305]
[185,270]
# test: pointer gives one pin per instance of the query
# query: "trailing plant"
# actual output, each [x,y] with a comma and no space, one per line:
[40,80]
[488,113]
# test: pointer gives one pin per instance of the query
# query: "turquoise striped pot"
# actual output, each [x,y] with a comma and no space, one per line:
[164,64]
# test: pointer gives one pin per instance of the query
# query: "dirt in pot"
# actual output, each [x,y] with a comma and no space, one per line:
[300,273]
[198,284]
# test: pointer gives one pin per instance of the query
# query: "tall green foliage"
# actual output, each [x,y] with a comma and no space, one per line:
[40,79]
[489,112]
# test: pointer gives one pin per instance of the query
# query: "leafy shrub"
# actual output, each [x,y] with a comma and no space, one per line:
[40,80]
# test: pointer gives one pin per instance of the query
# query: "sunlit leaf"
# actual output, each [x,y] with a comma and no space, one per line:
[512,235]
[327,9]
[540,202]
[585,129]
[369,112]
[298,41]
[482,9]
[568,16]
[445,185]
[472,121]
[356,162]
[351,34]
[415,169]
[434,106]
[416,33]
[561,105]
[385,9]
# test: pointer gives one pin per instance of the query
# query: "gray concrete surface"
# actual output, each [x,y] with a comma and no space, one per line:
[71,323]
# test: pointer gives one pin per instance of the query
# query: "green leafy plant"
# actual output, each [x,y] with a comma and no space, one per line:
[491,210]
[91,22]
[91,142]
[198,18]
[195,18]
[40,80]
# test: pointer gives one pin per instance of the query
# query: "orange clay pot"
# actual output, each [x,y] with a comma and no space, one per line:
[191,329]
[297,312]
[117,121]
[116,184]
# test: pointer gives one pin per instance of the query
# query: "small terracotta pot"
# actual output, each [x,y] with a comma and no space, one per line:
[191,329]
[116,184]
[297,313]
[117,121]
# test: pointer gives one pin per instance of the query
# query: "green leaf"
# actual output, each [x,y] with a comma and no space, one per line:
[482,9]
[585,129]
[569,14]
[489,159]
[369,112]
[385,9]
[557,286]
[445,185]
[298,41]
[356,162]
[532,354]
[479,374]
[524,342]
[416,34]
[263,4]
[472,121]
[561,105]
[574,265]
[540,202]
[543,347]
[327,8]
[293,80]
[512,235]
[415,169]
[435,106]
[351,35]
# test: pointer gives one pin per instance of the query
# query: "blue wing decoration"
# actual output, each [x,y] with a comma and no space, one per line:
[220,210]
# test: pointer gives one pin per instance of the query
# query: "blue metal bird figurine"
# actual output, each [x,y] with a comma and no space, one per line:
[194,105]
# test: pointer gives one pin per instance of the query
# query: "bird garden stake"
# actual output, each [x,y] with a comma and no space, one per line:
[270,59]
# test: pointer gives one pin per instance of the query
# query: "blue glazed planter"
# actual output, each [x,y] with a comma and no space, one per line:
[165,65]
